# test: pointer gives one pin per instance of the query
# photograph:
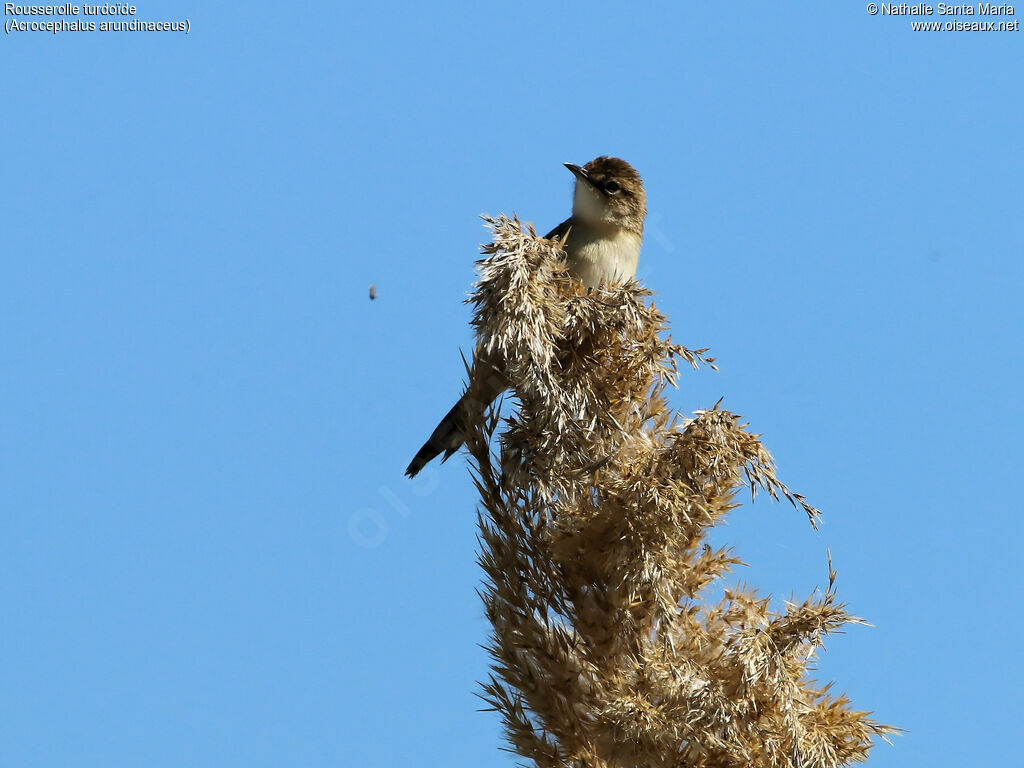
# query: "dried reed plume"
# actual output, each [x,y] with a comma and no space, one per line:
[594,514]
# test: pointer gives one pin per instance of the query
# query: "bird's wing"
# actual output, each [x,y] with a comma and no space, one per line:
[560,231]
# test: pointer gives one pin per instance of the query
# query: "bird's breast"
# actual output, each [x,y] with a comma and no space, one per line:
[596,255]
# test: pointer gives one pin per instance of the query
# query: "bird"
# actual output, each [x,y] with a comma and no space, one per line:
[602,241]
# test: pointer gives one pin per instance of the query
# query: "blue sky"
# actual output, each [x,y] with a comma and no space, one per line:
[209,555]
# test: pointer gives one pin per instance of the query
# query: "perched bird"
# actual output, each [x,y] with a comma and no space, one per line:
[602,245]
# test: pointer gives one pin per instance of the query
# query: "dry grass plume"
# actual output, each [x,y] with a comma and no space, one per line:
[595,505]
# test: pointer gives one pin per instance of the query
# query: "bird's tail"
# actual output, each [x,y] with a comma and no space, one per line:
[448,436]
[487,381]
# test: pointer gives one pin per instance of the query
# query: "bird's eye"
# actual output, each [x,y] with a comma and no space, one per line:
[611,187]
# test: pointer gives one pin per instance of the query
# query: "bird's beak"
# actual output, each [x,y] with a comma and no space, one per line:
[578,172]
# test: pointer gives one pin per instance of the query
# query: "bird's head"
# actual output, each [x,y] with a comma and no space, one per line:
[609,192]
